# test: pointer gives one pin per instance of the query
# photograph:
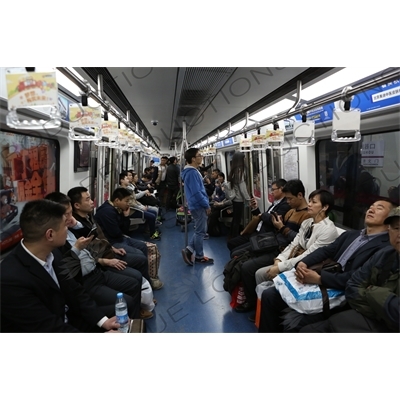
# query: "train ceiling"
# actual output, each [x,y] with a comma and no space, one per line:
[205,98]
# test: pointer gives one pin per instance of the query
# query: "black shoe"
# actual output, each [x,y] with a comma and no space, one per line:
[187,256]
[245,307]
[204,260]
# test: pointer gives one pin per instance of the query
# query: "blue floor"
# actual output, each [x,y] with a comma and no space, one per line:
[193,299]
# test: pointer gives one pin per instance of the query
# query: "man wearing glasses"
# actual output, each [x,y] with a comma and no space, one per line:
[199,207]
[280,206]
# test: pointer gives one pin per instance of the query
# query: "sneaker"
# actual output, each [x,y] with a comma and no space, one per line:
[206,236]
[158,223]
[187,256]
[156,284]
[155,236]
[144,314]
[204,260]
[158,232]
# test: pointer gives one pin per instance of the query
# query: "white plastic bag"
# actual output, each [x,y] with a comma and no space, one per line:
[263,286]
[146,301]
[305,298]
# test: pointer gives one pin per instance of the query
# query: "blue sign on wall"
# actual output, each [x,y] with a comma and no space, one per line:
[223,143]
[373,99]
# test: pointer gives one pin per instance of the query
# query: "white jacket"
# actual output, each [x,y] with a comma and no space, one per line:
[324,233]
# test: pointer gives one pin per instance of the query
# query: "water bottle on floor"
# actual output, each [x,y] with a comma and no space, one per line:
[121,312]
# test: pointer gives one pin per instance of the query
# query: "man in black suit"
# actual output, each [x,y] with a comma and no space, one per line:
[35,295]
[262,222]
[351,249]
[99,279]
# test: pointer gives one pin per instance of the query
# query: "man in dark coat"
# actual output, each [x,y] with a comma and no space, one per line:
[35,295]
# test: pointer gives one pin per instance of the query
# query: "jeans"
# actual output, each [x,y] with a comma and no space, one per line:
[136,255]
[150,218]
[200,221]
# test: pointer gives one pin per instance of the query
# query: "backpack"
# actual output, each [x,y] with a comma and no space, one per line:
[232,271]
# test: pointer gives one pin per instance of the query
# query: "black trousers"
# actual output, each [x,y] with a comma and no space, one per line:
[135,257]
[103,287]
[161,193]
[238,241]
[238,210]
[271,317]
[171,197]
[349,321]
[248,273]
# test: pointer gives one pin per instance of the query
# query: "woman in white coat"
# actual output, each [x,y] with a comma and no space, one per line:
[315,232]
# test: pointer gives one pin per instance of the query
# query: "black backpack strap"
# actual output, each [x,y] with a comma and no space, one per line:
[325,302]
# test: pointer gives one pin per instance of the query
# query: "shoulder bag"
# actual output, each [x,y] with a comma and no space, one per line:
[264,243]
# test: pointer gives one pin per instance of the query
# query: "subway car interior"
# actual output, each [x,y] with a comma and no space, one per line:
[62,127]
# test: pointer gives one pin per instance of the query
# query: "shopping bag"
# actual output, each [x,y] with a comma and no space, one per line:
[305,298]
[154,257]
[146,301]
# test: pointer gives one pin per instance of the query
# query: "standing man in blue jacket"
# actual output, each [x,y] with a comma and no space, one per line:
[199,207]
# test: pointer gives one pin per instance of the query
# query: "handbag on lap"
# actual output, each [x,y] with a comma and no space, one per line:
[264,243]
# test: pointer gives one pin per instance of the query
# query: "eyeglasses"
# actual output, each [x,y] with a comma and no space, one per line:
[274,189]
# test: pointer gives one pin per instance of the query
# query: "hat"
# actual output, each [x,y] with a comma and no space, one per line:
[394,213]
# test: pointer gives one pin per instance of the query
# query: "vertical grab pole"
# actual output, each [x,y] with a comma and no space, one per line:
[251,183]
[182,164]
[101,169]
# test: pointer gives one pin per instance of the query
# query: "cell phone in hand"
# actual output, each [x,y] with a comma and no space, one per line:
[275,215]
[93,231]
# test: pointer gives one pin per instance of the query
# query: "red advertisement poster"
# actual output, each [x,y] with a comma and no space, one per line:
[28,171]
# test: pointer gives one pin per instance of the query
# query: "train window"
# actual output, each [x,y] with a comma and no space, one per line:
[217,163]
[291,163]
[257,169]
[81,156]
[358,173]
[274,169]
[228,161]
[28,168]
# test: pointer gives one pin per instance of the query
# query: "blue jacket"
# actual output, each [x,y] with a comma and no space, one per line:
[114,224]
[195,192]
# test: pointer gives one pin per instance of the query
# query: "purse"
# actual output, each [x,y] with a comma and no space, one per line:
[296,251]
[264,243]
[330,266]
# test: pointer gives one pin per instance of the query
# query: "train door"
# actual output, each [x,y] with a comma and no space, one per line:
[249,179]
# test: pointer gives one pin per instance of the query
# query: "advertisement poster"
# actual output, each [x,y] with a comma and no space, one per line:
[27,172]
[31,89]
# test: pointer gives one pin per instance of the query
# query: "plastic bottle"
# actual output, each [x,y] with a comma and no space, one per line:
[121,312]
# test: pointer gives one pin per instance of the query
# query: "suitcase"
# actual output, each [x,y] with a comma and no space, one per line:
[154,257]
[137,326]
